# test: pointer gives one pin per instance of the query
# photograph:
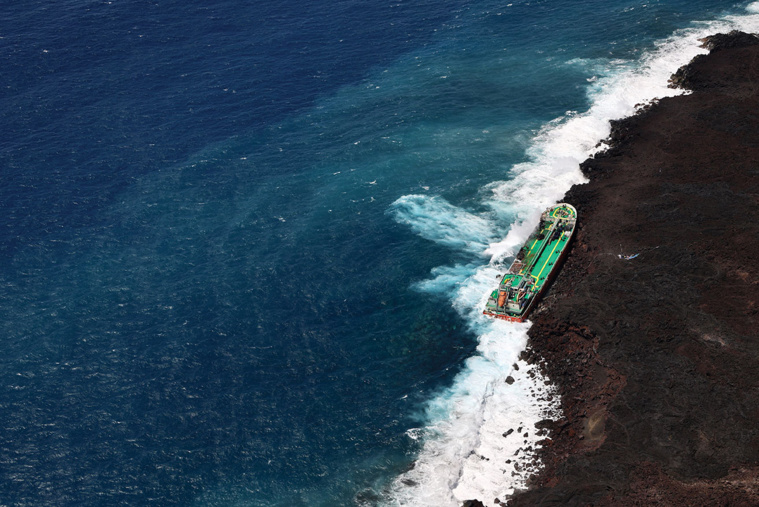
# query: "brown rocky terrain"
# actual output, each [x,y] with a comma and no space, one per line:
[657,357]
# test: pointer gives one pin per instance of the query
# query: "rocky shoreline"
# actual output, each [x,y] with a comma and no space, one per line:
[656,357]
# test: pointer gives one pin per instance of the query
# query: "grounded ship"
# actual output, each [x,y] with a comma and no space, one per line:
[535,265]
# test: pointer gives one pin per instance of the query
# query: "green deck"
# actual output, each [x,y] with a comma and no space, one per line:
[548,256]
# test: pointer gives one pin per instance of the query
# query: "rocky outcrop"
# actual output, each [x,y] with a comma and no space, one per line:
[696,76]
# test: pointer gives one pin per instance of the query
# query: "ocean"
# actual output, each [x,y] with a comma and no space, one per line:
[244,247]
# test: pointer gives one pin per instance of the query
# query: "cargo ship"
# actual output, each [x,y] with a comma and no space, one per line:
[535,265]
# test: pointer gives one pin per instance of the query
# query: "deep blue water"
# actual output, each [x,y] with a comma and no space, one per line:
[205,297]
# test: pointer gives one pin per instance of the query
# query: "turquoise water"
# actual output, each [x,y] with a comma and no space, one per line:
[242,245]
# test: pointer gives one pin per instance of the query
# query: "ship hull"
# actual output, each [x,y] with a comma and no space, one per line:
[527,281]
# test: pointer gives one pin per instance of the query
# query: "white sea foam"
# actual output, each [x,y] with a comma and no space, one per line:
[465,454]
[515,238]
[436,219]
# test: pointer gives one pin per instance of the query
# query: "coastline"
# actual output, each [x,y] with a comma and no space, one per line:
[656,358]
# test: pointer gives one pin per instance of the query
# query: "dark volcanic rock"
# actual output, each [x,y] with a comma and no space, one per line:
[734,39]
[657,358]
[699,73]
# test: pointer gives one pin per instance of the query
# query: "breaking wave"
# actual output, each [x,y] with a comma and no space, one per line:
[437,220]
